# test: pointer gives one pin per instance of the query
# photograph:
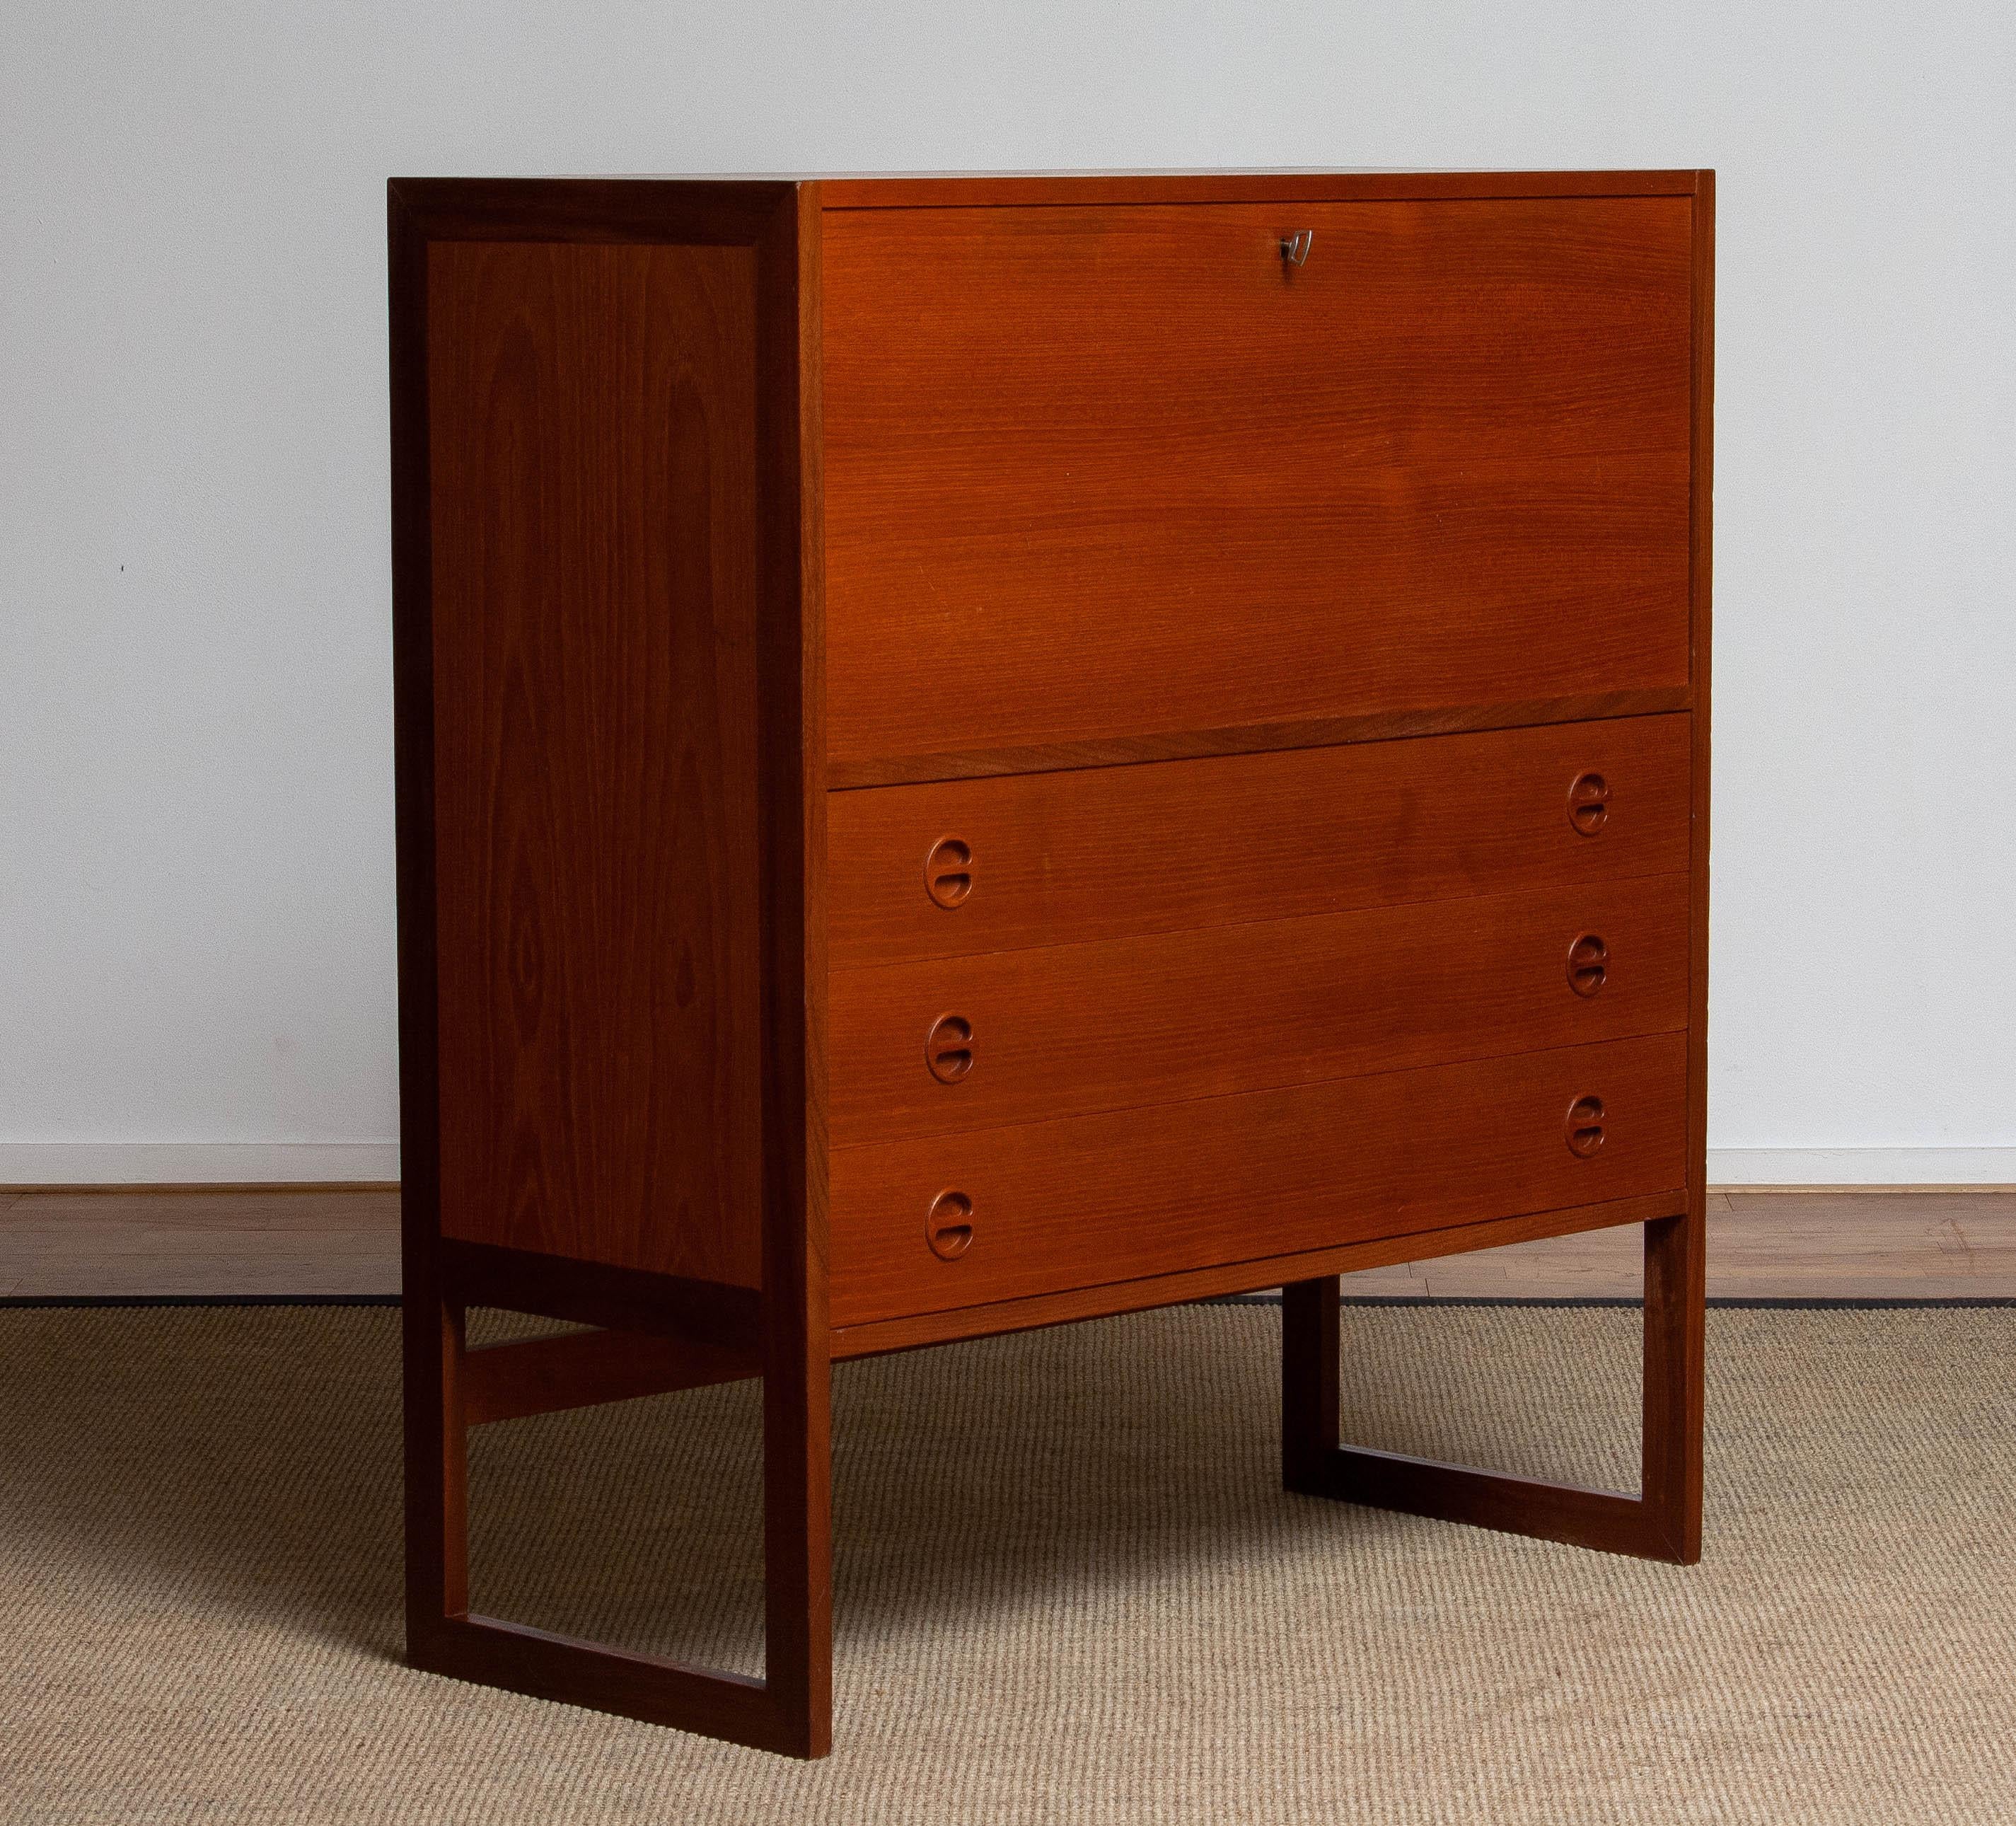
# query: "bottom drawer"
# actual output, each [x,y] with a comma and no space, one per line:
[922,1226]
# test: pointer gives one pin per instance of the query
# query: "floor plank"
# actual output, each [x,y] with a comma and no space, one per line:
[146,1243]
[1762,1244]
[1942,1243]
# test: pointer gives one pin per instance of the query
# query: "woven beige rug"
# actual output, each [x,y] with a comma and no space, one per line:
[1070,1589]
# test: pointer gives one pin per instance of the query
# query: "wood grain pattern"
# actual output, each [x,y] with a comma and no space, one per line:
[990,1318]
[797,1371]
[435,1434]
[709,498]
[1126,750]
[580,1368]
[1141,1192]
[1846,1243]
[144,1241]
[1676,1253]
[1106,852]
[633,212]
[521,1660]
[1609,1521]
[606,483]
[1661,1521]
[595,1293]
[1036,189]
[1310,1387]
[1094,472]
[1079,1028]
[1675,1377]
[1841,1242]
[594,528]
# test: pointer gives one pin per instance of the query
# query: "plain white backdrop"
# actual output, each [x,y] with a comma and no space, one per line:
[196,919]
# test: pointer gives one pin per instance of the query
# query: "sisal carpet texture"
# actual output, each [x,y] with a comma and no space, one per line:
[1070,1589]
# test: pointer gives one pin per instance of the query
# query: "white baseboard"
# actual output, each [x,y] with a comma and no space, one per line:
[194,1163]
[1862,1166]
[224,1163]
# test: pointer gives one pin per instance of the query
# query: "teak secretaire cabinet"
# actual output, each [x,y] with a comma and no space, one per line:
[976,752]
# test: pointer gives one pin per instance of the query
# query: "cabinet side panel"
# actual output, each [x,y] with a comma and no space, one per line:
[592,438]
[1701,586]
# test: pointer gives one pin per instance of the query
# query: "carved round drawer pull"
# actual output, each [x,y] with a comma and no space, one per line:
[948,871]
[950,1228]
[1585,1126]
[948,1048]
[1588,803]
[1588,964]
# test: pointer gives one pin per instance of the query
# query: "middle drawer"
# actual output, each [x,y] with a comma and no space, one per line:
[952,1044]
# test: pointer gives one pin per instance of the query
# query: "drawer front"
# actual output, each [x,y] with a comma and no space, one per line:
[1023,1036]
[1104,471]
[965,866]
[1094,1199]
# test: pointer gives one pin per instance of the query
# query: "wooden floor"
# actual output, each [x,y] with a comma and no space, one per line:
[1957,1243]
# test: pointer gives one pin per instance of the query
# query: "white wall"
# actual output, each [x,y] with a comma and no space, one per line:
[196,811]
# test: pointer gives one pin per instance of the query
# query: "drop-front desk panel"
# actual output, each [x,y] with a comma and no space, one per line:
[978,752]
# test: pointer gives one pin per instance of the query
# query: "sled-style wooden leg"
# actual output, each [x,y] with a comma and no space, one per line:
[1662,1523]
[790,1709]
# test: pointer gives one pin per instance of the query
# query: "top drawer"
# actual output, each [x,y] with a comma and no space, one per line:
[1091,472]
[956,868]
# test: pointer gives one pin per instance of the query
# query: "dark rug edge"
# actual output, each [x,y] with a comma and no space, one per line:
[45,1301]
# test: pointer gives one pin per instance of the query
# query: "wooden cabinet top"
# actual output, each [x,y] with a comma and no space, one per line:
[908,190]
